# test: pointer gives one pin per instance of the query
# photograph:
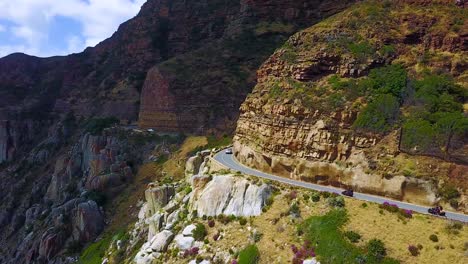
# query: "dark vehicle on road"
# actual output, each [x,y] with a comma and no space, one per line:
[438,210]
[348,192]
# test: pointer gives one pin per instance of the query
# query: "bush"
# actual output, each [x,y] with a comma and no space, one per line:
[413,250]
[294,209]
[379,115]
[315,197]
[336,201]
[242,221]
[376,249]
[199,233]
[352,236]
[390,80]
[302,253]
[211,223]
[434,238]
[249,255]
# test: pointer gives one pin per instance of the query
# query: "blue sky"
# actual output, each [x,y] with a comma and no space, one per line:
[58,27]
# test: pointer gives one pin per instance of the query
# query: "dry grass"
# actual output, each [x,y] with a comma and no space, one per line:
[175,166]
[398,235]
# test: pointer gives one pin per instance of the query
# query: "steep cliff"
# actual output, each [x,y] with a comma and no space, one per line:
[202,89]
[327,109]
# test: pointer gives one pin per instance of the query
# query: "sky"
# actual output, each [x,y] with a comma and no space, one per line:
[46,28]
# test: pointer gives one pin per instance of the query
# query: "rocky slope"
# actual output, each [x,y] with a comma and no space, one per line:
[201,90]
[46,158]
[306,118]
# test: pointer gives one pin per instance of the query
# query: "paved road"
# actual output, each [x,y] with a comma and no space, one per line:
[230,162]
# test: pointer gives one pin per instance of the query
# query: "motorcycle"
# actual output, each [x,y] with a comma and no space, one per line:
[349,193]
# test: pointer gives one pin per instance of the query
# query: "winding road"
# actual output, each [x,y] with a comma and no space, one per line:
[230,161]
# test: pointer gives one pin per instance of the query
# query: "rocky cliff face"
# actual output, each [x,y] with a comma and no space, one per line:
[202,89]
[297,124]
[52,208]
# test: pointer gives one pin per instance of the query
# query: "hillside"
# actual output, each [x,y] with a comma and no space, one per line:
[373,98]
[59,161]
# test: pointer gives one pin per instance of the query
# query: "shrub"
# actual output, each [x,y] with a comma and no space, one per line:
[292,195]
[249,255]
[352,236]
[191,252]
[325,194]
[211,223]
[242,221]
[379,115]
[269,201]
[306,197]
[315,197]
[256,236]
[302,253]
[294,209]
[336,201]
[413,250]
[364,205]
[376,249]
[388,80]
[434,238]
[199,232]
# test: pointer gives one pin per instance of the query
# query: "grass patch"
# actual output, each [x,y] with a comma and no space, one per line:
[249,255]
[332,247]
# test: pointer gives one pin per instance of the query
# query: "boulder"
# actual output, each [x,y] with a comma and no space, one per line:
[160,241]
[231,195]
[193,165]
[157,197]
[155,223]
[183,242]
[188,230]
[172,219]
[51,243]
[87,221]
[311,261]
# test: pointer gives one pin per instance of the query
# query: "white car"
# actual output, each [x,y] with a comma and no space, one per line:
[228,151]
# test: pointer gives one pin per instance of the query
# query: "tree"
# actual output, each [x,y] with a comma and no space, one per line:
[379,115]
[449,125]
[418,134]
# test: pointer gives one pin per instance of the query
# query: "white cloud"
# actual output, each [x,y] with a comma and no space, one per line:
[32,20]
[2,28]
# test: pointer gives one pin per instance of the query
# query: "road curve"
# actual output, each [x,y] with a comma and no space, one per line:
[230,161]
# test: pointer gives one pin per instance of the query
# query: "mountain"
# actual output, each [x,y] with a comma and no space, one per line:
[372,99]
[178,66]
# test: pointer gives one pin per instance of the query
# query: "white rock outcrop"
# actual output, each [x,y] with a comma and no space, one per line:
[161,240]
[183,242]
[231,195]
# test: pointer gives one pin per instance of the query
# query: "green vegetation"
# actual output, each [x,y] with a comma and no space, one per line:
[199,233]
[352,236]
[95,126]
[434,238]
[337,201]
[249,255]
[94,253]
[436,116]
[376,251]
[332,247]
[379,115]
